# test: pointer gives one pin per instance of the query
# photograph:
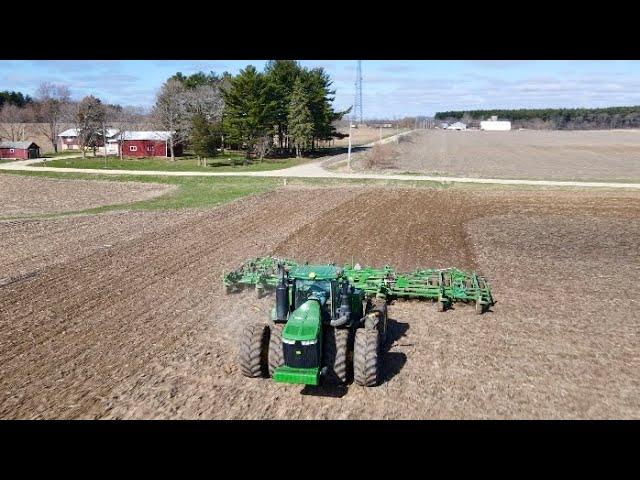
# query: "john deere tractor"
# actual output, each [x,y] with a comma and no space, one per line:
[328,321]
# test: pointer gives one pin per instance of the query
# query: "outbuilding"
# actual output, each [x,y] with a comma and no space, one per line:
[457,126]
[20,150]
[495,124]
[146,144]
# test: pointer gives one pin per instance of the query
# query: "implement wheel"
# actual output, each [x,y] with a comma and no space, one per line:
[335,348]
[276,353]
[366,357]
[479,308]
[252,356]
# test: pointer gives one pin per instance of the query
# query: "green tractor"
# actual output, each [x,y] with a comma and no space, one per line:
[329,321]
[318,320]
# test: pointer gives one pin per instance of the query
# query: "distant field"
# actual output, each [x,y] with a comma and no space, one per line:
[553,155]
[364,135]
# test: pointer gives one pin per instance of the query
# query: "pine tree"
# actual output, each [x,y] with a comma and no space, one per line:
[249,108]
[300,120]
[282,76]
[90,117]
[203,139]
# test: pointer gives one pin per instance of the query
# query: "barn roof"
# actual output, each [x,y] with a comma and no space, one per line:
[73,132]
[21,145]
[147,135]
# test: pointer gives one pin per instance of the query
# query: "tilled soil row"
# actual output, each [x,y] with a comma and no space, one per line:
[142,329]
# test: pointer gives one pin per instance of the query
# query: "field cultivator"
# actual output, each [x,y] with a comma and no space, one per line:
[330,320]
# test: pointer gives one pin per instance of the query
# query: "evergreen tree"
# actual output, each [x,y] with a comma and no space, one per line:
[90,118]
[300,120]
[249,108]
[282,76]
[203,139]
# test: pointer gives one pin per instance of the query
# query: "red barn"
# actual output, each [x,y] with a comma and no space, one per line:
[22,150]
[147,144]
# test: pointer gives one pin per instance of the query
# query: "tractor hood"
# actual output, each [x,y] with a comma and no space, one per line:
[304,322]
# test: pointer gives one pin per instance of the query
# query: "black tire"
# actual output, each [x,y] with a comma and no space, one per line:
[252,356]
[276,354]
[335,346]
[366,357]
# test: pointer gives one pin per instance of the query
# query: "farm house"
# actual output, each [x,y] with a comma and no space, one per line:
[68,140]
[22,150]
[495,124]
[146,144]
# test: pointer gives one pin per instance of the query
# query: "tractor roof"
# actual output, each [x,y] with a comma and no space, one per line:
[317,272]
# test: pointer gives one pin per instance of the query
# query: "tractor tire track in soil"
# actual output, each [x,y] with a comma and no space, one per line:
[142,329]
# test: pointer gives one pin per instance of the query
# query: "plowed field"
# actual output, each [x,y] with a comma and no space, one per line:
[122,315]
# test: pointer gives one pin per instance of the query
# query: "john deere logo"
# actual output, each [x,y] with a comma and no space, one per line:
[298,352]
[312,275]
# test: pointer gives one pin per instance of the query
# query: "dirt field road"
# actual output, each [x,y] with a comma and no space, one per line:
[124,315]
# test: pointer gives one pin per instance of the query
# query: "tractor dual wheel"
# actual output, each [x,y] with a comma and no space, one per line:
[252,356]
[276,353]
[366,357]
[335,346]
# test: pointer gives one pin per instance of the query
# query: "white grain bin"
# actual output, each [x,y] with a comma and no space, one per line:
[500,125]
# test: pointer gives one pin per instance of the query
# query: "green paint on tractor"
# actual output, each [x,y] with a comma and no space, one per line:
[303,376]
[303,323]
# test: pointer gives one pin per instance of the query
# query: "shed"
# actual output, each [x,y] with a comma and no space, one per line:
[457,126]
[146,144]
[21,150]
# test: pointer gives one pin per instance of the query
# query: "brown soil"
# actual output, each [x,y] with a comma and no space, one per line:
[142,329]
[527,154]
[29,195]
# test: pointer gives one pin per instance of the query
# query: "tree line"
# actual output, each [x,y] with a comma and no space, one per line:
[554,118]
[283,110]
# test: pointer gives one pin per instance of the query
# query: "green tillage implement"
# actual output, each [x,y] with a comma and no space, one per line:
[443,285]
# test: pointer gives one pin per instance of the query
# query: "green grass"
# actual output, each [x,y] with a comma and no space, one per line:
[223,163]
[61,153]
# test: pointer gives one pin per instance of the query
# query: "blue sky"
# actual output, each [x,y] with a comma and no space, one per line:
[390,87]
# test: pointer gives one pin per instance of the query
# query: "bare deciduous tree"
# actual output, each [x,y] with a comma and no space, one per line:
[171,112]
[53,110]
[13,122]
[264,145]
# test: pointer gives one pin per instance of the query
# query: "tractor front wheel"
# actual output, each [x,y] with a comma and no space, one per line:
[252,356]
[366,357]
[335,350]
[276,353]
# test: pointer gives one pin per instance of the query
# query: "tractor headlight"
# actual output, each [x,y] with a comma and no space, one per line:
[287,341]
[309,342]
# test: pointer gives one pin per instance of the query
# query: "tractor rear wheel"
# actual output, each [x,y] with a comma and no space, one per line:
[276,353]
[335,348]
[252,356]
[366,357]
